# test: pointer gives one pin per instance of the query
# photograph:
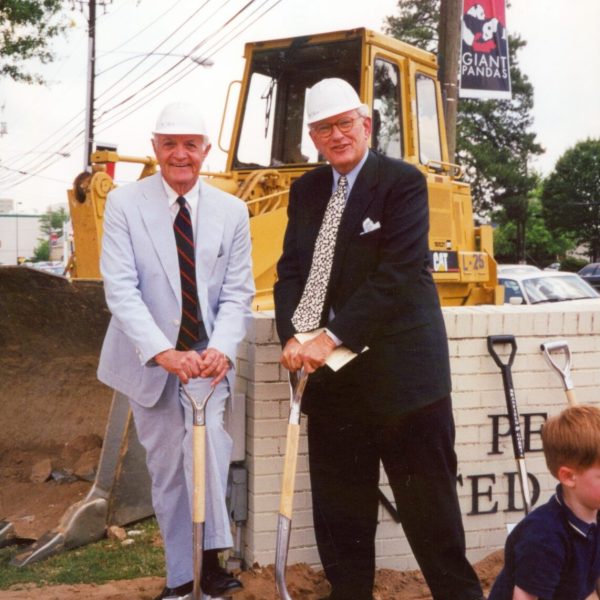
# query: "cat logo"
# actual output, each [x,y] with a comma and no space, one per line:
[444,262]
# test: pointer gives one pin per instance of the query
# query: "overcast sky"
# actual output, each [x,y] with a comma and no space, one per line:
[562,60]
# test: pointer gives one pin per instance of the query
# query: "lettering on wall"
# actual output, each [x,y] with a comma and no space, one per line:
[484,487]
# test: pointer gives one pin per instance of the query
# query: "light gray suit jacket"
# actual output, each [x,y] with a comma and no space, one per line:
[142,284]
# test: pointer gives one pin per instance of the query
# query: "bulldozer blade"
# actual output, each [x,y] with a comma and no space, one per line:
[82,523]
[120,494]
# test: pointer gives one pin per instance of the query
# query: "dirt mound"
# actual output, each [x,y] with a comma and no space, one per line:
[51,331]
[259,584]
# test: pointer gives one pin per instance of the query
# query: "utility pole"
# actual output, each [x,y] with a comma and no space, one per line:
[91,76]
[449,58]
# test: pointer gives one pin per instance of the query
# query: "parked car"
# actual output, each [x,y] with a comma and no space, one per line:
[591,274]
[55,267]
[544,286]
[505,269]
[555,266]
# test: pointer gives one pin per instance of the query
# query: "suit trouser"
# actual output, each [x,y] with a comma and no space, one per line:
[165,431]
[417,452]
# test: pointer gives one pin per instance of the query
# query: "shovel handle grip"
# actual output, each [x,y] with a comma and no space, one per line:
[492,340]
[199,462]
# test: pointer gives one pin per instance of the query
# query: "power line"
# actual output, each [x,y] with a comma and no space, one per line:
[176,77]
[70,125]
[220,44]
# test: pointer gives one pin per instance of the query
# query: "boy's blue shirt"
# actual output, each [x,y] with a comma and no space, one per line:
[551,554]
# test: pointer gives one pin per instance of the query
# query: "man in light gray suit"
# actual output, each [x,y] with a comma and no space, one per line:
[178,281]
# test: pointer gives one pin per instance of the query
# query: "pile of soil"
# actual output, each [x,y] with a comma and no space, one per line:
[53,408]
[259,584]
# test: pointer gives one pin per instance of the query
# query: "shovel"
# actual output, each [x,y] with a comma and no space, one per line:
[284,520]
[513,414]
[336,360]
[548,348]
[199,484]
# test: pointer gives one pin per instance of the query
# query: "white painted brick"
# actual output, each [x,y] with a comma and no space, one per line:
[271,428]
[450,322]
[468,364]
[262,410]
[585,323]
[264,353]
[464,325]
[263,446]
[268,391]
[478,392]
[265,372]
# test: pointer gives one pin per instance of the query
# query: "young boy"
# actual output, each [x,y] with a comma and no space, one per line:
[554,553]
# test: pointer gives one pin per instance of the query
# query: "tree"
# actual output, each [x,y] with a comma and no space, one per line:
[571,195]
[493,141]
[42,251]
[53,221]
[543,247]
[26,30]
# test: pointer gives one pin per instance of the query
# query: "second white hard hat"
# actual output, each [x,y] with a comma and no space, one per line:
[331,97]
[180,118]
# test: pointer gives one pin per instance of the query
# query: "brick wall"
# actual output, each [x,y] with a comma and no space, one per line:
[488,488]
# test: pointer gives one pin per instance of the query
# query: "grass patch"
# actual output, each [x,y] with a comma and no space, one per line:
[95,563]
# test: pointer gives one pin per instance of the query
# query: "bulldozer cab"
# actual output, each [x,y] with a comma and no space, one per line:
[274,132]
[271,147]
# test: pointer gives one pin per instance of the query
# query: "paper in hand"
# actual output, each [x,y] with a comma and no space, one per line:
[338,358]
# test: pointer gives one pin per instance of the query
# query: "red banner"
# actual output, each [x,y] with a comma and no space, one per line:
[484,64]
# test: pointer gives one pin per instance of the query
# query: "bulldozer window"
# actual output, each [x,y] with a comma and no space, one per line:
[274,131]
[427,119]
[387,118]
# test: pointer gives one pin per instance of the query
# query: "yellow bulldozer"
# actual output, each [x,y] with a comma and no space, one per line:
[269,148]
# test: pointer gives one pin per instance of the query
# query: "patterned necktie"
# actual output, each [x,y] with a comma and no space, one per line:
[184,236]
[307,315]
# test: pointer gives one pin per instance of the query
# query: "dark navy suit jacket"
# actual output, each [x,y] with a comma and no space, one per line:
[381,290]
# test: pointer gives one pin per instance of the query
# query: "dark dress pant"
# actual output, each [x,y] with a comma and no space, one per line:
[417,452]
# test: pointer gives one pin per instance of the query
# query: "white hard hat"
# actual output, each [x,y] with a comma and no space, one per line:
[331,97]
[180,118]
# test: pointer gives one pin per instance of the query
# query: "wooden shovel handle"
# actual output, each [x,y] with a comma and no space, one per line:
[289,470]
[199,466]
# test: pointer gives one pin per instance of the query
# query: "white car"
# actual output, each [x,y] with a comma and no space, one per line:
[544,286]
[506,269]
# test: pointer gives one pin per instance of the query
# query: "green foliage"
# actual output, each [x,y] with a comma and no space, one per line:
[542,246]
[573,264]
[417,23]
[493,141]
[42,251]
[571,195]
[53,220]
[95,563]
[26,29]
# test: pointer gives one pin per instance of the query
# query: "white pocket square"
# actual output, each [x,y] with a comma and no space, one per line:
[369,226]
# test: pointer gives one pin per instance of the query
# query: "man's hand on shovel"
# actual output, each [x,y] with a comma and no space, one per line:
[311,355]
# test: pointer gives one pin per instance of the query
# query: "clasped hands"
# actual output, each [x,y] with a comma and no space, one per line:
[189,364]
[310,355]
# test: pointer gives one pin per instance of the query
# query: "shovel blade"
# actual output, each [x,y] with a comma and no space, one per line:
[284,527]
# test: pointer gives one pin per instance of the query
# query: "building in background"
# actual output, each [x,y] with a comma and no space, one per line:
[19,235]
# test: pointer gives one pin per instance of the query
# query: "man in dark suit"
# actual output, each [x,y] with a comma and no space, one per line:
[355,261]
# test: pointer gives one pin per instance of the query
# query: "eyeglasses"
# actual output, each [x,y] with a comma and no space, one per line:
[344,124]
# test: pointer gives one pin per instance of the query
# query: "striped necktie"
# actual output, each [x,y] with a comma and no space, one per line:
[184,237]
[309,311]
